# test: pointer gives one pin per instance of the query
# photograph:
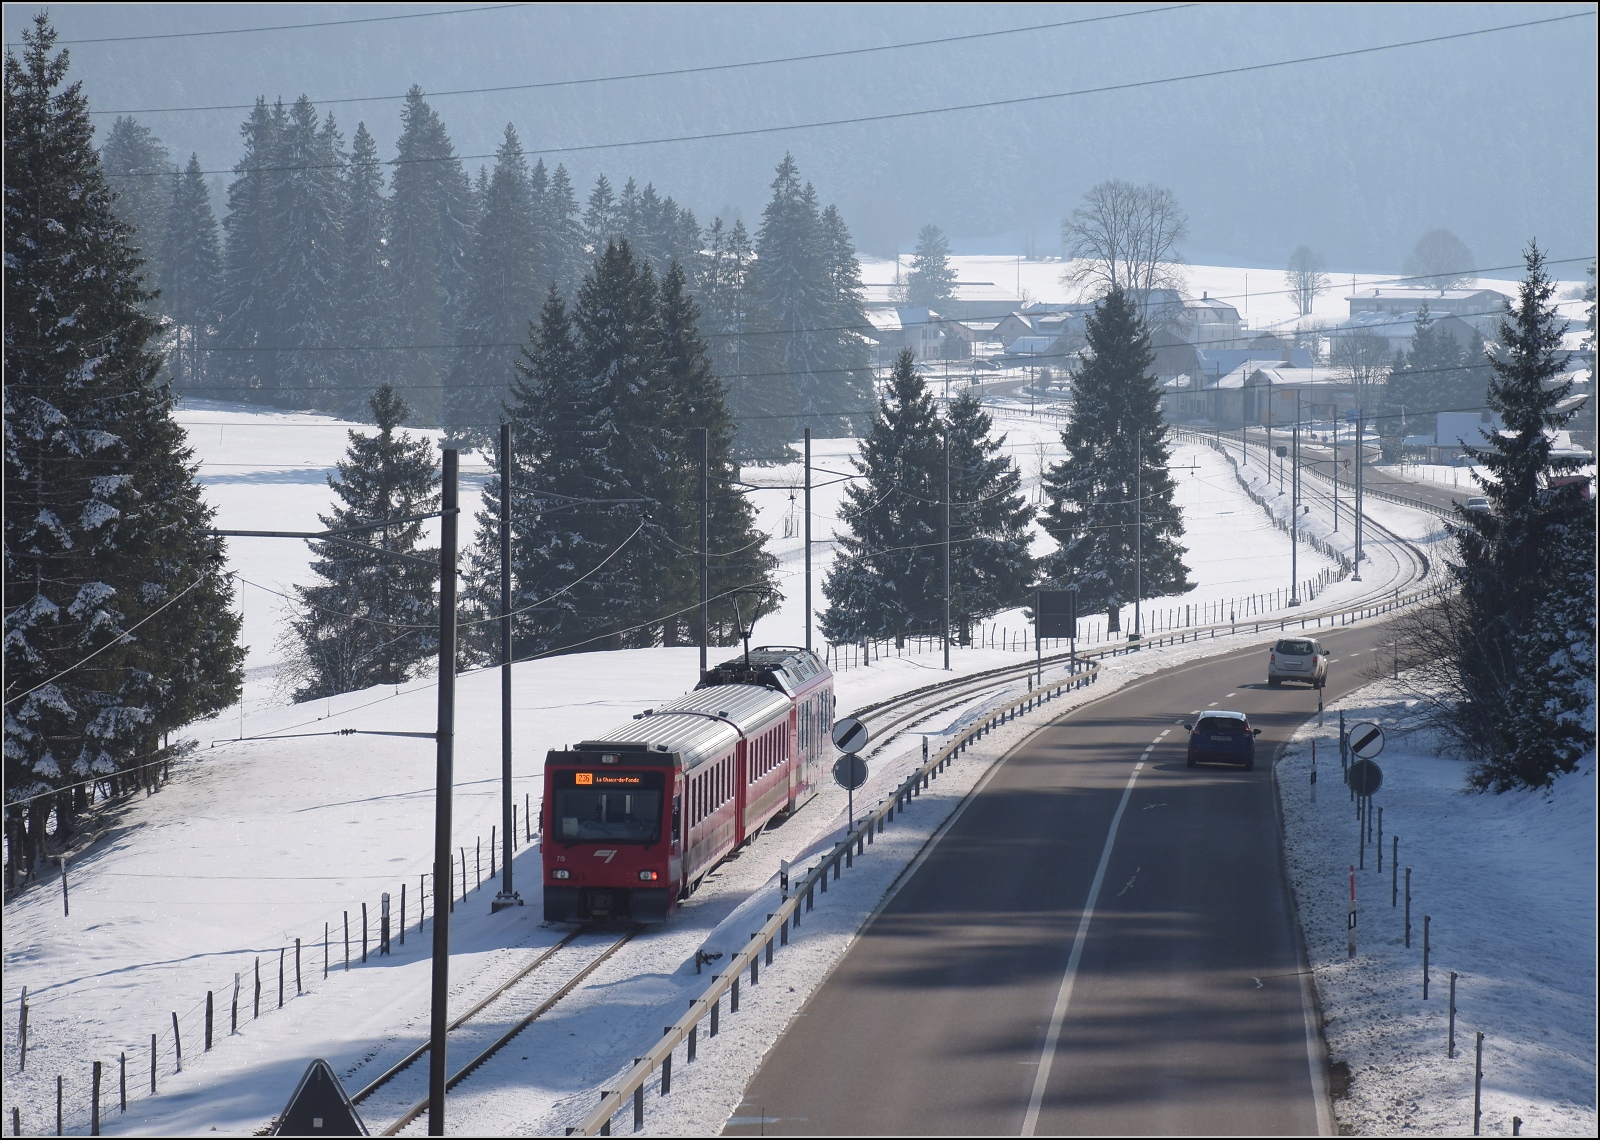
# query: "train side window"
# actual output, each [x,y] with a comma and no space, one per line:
[677,817]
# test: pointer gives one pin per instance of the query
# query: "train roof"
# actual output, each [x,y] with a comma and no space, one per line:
[786,667]
[700,725]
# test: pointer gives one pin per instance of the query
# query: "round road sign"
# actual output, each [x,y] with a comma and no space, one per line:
[850,771]
[849,735]
[1366,740]
[1365,778]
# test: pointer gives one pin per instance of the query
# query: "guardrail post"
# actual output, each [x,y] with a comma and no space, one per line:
[823,877]
[666,1074]
[755,970]
[638,1107]
[811,901]
[733,1001]
[836,867]
[716,1010]
[849,854]
[783,931]
[694,1039]
[605,1126]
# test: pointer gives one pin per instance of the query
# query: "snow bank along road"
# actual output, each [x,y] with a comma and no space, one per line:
[1100,942]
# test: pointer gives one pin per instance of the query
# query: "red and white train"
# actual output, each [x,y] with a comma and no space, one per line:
[634,819]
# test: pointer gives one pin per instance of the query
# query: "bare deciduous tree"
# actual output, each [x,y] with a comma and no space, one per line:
[1442,260]
[1125,237]
[1362,358]
[1305,278]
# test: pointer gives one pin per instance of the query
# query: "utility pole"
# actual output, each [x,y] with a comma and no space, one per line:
[705,546]
[1294,512]
[438,1075]
[1361,429]
[1138,535]
[808,535]
[947,550]
[1269,434]
[508,895]
[1336,468]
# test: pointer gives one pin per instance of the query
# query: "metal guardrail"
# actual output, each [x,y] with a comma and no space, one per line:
[776,931]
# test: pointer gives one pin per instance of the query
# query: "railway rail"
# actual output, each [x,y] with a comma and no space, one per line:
[509,1014]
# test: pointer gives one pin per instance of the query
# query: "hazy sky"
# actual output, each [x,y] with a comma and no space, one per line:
[1491,136]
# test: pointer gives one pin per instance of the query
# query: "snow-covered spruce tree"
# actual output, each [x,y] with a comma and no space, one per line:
[932,280]
[117,619]
[560,233]
[843,396]
[430,239]
[373,619]
[990,567]
[693,397]
[193,276]
[1093,492]
[618,333]
[791,307]
[724,300]
[602,221]
[139,170]
[1526,656]
[501,298]
[308,261]
[889,577]
[365,329]
[244,364]
[550,443]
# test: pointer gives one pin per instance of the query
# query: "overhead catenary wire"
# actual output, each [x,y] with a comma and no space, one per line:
[282,27]
[702,69]
[925,112]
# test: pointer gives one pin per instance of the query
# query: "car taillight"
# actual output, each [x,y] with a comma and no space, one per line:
[1313,659]
[561,873]
[1272,657]
[649,876]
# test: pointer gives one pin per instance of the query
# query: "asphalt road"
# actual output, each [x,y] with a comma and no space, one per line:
[1186,1012]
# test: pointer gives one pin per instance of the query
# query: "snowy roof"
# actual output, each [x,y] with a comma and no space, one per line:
[1031,345]
[699,725]
[1221,361]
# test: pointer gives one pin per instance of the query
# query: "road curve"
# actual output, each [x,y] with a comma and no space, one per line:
[1186,1013]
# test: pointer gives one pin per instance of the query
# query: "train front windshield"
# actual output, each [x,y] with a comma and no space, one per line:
[610,807]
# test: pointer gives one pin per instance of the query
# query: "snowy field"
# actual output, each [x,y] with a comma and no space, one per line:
[257,842]
[1509,884]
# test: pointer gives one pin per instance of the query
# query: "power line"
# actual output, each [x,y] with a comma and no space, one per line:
[672,72]
[281,28]
[898,116]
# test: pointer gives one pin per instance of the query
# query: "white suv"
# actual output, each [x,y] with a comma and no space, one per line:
[1298,659]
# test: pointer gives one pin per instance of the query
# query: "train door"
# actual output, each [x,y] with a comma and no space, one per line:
[744,764]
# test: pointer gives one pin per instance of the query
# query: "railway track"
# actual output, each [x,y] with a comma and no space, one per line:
[399,1094]
[1411,570]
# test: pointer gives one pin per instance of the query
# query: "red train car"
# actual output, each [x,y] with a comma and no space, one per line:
[632,821]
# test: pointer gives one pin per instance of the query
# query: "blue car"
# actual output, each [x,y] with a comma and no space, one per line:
[1223,737]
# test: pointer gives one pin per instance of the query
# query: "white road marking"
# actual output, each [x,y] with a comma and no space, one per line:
[1212,705]
[1164,731]
[1052,1037]
[1233,694]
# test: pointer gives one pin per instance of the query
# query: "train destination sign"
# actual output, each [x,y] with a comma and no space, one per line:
[606,778]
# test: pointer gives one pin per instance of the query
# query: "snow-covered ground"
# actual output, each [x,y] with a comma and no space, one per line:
[1508,882]
[257,842]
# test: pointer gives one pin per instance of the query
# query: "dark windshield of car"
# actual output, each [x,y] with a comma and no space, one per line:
[1296,647]
[1221,724]
[622,807]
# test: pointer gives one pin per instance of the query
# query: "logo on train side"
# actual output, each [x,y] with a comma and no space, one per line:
[606,855]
